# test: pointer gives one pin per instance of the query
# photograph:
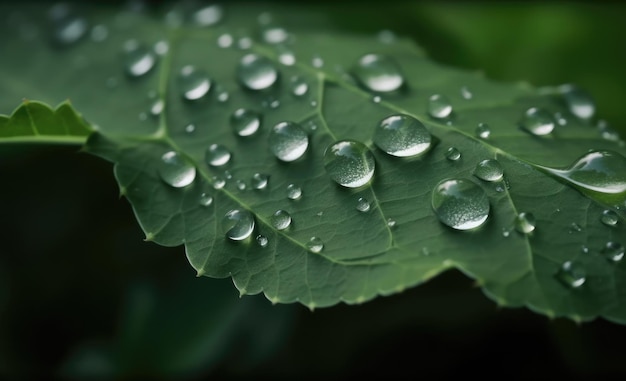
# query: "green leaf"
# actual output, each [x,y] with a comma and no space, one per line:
[399,242]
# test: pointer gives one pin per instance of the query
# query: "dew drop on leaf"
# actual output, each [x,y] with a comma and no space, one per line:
[299,87]
[259,181]
[207,16]
[439,106]
[402,136]
[274,35]
[238,224]
[349,163]
[287,58]
[190,128]
[362,204]
[256,72]
[378,73]
[175,170]
[205,199]
[294,192]
[245,122]
[613,251]
[68,28]
[453,154]
[225,40]
[288,141]
[241,185]
[139,59]
[194,83]
[281,219]
[157,107]
[537,121]
[460,204]
[489,170]
[99,33]
[315,245]
[483,131]
[317,61]
[218,182]
[391,223]
[525,222]
[262,240]
[466,93]
[578,101]
[217,155]
[609,218]
[572,274]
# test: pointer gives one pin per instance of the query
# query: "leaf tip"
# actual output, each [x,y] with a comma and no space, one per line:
[273,299]
[242,292]
[149,237]
[200,273]
[311,306]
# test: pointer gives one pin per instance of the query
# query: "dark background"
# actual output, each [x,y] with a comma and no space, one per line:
[83,297]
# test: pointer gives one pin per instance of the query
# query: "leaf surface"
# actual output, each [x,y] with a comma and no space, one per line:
[399,242]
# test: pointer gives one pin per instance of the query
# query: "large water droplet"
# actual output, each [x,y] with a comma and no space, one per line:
[281,219]
[349,163]
[453,154]
[315,245]
[537,121]
[217,155]
[460,204]
[402,136]
[256,72]
[525,222]
[207,16]
[245,122]
[378,73]
[609,218]
[572,274]
[288,141]
[362,204]
[613,251]
[579,101]
[194,83]
[139,59]
[175,170]
[599,171]
[238,224]
[260,181]
[439,106]
[489,170]
[294,192]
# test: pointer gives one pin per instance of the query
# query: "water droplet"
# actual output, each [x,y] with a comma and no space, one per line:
[190,128]
[378,73]
[228,175]
[402,136]
[244,43]
[294,192]
[275,35]
[439,106]
[256,72]
[391,223]
[217,155]
[194,83]
[262,240]
[69,28]
[288,141]
[376,99]
[537,121]
[281,219]
[287,58]
[483,131]
[613,251]
[143,116]
[453,154]
[560,119]
[506,232]
[207,16]
[349,163]
[525,222]
[315,245]
[238,224]
[572,274]
[609,218]
[205,199]
[599,171]
[317,61]
[362,205]
[607,132]
[299,87]
[579,101]
[99,33]
[161,47]
[241,185]
[386,36]
[466,93]
[260,181]
[313,103]
[175,170]
[157,107]
[460,204]
[218,182]
[489,170]
[139,59]
[245,122]
[225,40]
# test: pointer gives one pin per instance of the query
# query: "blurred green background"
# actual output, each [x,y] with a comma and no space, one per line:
[83,297]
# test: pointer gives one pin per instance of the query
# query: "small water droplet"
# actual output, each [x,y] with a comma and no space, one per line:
[294,192]
[260,181]
[362,204]
[525,222]
[609,218]
[205,199]
[584,249]
[506,232]
[575,228]
[69,28]
[598,171]
[460,204]
[245,122]
[143,116]
[579,101]
[606,132]
[489,170]
[317,61]
[139,59]
[281,219]
[244,43]
[560,119]
[376,99]
[315,245]
[391,223]
[218,182]
[288,141]
[99,33]
[228,175]
[313,103]
[175,170]
[439,106]
[402,136]
[190,128]
[241,185]
[223,96]
[483,131]
[225,40]
[157,107]
[207,16]
[349,163]
[217,155]
[194,83]
[256,72]
[275,35]
[386,36]
[287,58]
[572,274]
[299,87]
[265,18]
[453,154]
[537,121]
[378,73]
[238,224]
[466,93]
[262,240]
[161,47]
[613,251]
